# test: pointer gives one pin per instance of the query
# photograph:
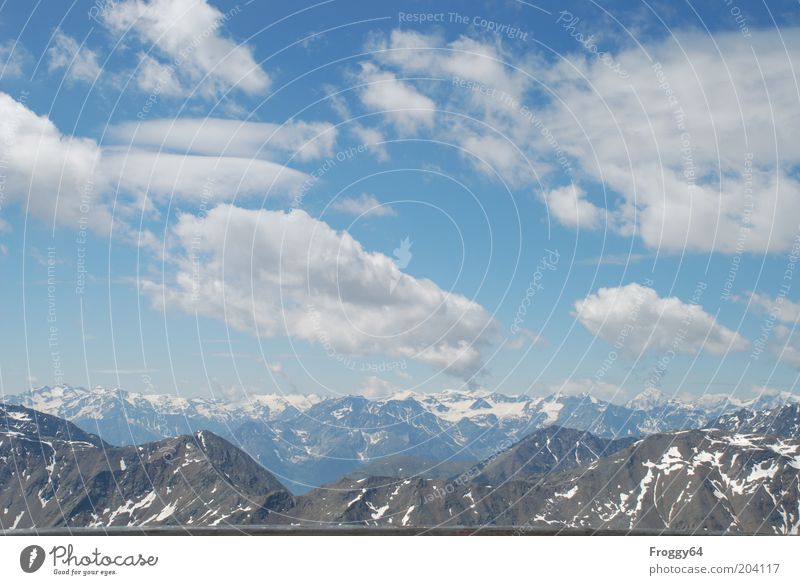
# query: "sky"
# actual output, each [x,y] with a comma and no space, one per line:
[211,198]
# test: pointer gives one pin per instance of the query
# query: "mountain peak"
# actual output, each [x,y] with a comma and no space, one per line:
[648,399]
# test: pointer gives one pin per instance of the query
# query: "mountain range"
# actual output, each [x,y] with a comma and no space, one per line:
[307,441]
[695,481]
[700,481]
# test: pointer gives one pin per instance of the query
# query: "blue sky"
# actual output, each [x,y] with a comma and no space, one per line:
[211,197]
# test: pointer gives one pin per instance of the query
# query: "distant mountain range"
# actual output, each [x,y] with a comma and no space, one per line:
[307,441]
[697,481]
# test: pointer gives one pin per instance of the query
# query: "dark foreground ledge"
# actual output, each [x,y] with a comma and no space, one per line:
[331,531]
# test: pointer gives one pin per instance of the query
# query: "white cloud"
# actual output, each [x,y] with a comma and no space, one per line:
[80,62]
[364,204]
[13,59]
[208,179]
[636,320]
[781,308]
[215,136]
[400,102]
[376,388]
[780,317]
[157,78]
[673,141]
[75,182]
[569,206]
[670,143]
[187,36]
[277,273]
[477,79]
[429,55]
[373,138]
[787,348]
[48,172]
[491,153]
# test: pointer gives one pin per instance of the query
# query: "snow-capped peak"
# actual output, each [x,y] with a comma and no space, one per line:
[648,400]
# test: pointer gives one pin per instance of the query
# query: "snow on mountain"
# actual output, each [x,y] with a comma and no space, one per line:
[307,441]
[123,418]
[83,403]
[453,405]
[706,481]
[767,399]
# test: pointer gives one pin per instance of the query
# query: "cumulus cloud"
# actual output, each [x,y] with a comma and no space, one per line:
[79,61]
[276,273]
[364,204]
[636,320]
[376,388]
[569,206]
[215,136]
[187,38]
[400,102]
[52,173]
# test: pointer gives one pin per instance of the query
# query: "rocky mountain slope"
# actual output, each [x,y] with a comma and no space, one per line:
[54,474]
[783,421]
[701,481]
[547,450]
